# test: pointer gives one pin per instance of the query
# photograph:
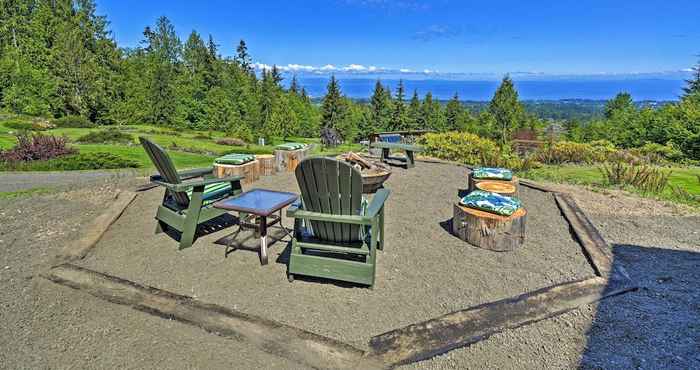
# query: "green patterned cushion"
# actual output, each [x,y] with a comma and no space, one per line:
[235,159]
[213,192]
[492,173]
[290,146]
[492,202]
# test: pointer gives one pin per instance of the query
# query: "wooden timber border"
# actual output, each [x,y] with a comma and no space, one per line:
[405,345]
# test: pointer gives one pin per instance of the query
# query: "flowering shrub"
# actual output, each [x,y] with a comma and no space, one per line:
[36,147]
[578,153]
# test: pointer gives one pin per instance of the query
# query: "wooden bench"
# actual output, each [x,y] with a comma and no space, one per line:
[409,161]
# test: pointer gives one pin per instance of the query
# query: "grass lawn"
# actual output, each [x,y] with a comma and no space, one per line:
[685,178]
[187,148]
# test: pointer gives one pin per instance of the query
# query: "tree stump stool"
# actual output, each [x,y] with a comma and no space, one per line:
[266,164]
[287,160]
[499,187]
[249,170]
[489,231]
[473,182]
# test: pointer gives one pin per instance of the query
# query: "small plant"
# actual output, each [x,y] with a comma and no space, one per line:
[643,177]
[36,147]
[82,161]
[562,152]
[683,195]
[73,122]
[231,141]
[110,136]
[657,153]
[22,125]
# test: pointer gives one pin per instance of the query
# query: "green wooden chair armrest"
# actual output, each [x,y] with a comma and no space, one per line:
[377,203]
[186,185]
[198,172]
[295,212]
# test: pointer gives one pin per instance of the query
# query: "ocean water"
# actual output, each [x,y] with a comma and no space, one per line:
[641,89]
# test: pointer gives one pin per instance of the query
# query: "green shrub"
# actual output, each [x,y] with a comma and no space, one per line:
[657,153]
[473,150]
[643,177]
[26,125]
[86,161]
[73,122]
[562,152]
[457,146]
[231,141]
[110,136]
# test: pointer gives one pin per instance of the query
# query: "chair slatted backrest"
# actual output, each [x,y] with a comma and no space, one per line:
[331,187]
[166,168]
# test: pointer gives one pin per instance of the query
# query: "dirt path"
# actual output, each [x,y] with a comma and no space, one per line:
[17,181]
[46,325]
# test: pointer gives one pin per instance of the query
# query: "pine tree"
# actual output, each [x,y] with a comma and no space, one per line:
[431,114]
[276,75]
[414,112]
[506,109]
[335,111]
[453,113]
[693,84]
[622,103]
[380,108]
[294,85]
[164,54]
[243,58]
[399,118]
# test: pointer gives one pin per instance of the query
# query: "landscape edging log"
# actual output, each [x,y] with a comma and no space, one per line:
[430,338]
[294,344]
[94,231]
[594,245]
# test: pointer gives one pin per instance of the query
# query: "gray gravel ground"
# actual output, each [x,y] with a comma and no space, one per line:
[43,325]
[423,272]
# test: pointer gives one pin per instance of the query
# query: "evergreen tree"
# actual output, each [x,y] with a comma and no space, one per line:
[622,103]
[335,112]
[164,54]
[431,114]
[294,85]
[454,114]
[414,113]
[399,117]
[506,109]
[380,109]
[243,58]
[693,84]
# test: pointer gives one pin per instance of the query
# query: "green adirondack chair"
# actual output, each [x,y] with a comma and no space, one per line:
[189,195]
[336,234]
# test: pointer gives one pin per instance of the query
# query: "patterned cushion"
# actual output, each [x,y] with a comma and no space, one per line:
[290,146]
[492,202]
[492,173]
[235,159]
[213,192]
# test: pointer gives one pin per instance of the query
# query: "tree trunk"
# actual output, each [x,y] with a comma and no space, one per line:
[248,170]
[500,187]
[489,231]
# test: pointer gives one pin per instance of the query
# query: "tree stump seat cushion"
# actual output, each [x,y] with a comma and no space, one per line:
[491,202]
[492,173]
[290,146]
[235,159]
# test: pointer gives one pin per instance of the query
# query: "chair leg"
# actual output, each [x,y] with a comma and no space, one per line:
[381,229]
[192,219]
[161,227]
[373,249]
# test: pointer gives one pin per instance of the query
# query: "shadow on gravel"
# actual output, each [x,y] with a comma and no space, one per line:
[657,326]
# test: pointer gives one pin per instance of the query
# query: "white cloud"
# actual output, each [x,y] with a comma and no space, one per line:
[355,68]
[405,70]
[687,70]
[328,67]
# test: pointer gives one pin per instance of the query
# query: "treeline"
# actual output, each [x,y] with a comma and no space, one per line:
[675,125]
[58,58]
[393,111]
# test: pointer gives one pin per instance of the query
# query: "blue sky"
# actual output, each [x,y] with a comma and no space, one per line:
[563,37]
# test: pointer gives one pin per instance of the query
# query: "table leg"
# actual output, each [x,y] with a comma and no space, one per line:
[263,240]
